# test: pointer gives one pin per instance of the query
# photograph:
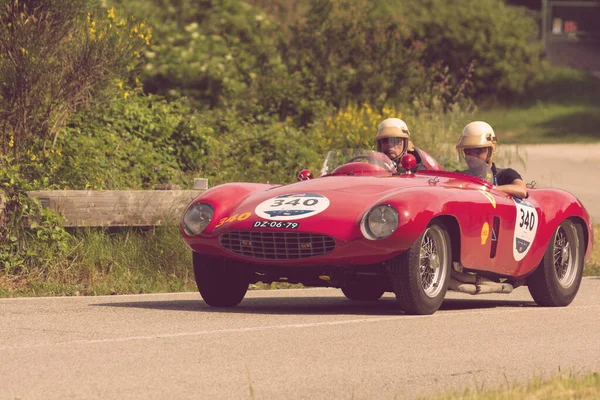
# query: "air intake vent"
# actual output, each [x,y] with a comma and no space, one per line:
[276,245]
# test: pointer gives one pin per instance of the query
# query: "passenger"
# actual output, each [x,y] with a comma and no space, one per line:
[393,140]
[478,144]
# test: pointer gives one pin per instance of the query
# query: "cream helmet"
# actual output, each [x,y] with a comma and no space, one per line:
[394,130]
[478,134]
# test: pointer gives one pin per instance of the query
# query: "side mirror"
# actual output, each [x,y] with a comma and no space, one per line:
[305,175]
[408,162]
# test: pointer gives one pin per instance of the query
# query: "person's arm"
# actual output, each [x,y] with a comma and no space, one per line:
[517,188]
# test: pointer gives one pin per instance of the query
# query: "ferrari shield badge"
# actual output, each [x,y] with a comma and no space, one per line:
[292,206]
[526,226]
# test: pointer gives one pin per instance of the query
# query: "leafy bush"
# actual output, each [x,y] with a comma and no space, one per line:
[132,143]
[500,39]
[27,231]
[350,51]
[354,126]
[248,152]
[57,56]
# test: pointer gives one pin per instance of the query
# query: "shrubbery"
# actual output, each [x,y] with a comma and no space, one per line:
[128,94]
[131,143]
[57,57]
[500,40]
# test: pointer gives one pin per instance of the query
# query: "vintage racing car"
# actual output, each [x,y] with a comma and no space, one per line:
[368,229]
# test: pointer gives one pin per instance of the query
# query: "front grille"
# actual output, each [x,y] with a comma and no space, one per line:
[276,245]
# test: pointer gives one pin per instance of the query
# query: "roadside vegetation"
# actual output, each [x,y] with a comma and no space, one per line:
[561,108]
[130,94]
[562,387]
[592,268]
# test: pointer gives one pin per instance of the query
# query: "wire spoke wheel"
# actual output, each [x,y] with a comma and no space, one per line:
[557,279]
[431,260]
[564,255]
[420,275]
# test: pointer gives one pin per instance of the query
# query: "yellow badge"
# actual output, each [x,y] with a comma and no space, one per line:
[489,197]
[485,232]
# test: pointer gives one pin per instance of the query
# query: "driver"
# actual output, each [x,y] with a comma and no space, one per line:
[393,140]
[478,144]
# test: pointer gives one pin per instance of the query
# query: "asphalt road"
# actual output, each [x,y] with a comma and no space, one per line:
[292,344]
[571,167]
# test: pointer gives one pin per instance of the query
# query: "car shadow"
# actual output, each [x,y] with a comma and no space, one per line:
[313,306]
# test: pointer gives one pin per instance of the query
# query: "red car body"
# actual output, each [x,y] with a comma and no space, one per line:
[491,233]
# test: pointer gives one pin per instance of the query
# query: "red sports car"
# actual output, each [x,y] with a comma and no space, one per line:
[368,229]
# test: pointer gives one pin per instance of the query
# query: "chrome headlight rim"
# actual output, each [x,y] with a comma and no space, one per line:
[206,209]
[364,224]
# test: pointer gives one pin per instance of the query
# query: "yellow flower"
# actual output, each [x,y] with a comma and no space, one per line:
[24,50]
[33,157]
[125,95]
[111,13]
[11,142]
[120,84]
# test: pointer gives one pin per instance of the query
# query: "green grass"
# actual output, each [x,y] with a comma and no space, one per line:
[545,123]
[592,267]
[563,107]
[561,387]
[102,263]
[97,262]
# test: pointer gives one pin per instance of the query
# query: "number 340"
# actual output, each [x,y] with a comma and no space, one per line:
[236,217]
[527,219]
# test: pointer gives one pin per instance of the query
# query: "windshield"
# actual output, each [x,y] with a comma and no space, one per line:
[338,157]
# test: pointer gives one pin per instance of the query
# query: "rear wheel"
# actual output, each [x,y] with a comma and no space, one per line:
[221,283]
[556,280]
[362,292]
[421,274]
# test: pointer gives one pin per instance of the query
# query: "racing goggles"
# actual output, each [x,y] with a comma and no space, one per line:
[389,142]
[475,151]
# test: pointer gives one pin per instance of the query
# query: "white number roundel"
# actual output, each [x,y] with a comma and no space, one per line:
[289,207]
[525,228]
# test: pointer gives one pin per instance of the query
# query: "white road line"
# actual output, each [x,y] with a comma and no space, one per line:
[289,326]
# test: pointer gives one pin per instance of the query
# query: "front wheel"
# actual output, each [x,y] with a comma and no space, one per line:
[362,292]
[420,276]
[556,280]
[221,283]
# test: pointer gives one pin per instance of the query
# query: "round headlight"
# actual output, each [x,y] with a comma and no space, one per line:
[197,218]
[380,222]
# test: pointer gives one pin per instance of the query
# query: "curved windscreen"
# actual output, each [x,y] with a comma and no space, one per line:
[356,160]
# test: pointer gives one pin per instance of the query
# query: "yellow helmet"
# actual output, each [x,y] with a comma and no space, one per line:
[478,134]
[392,128]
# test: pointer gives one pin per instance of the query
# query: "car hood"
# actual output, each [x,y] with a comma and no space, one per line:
[316,205]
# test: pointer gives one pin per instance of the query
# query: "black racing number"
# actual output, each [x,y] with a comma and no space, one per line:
[522,218]
[531,221]
[527,219]
[295,202]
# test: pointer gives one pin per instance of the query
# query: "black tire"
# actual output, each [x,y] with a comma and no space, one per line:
[363,292]
[556,280]
[420,287]
[221,283]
